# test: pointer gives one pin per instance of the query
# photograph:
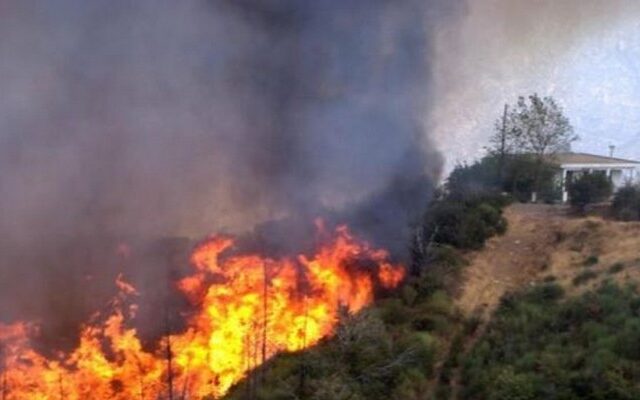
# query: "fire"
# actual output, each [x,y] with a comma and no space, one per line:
[249,309]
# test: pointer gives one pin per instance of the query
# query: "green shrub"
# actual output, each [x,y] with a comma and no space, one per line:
[510,385]
[409,294]
[548,292]
[586,347]
[589,188]
[626,204]
[518,177]
[584,277]
[615,268]
[472,323]
[591,261]
[393,311]
[444,266]
[462,222]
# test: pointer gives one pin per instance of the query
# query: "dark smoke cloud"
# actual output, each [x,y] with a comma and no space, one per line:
[129,121]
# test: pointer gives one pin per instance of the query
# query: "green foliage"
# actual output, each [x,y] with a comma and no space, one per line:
[374,354]
[510,385]
[525,174]
[387,352]
[616,268]
[525,136]
[626,204]
[441,272]
[589,188]
[517,161]
[591,261]
[478,177]
[515,174]
[463,222]
[584,277]
[547,293]
[539,126]
[539,346]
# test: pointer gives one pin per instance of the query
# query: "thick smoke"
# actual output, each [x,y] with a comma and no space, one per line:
[123,122]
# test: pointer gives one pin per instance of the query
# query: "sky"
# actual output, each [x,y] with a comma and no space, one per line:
[584,53]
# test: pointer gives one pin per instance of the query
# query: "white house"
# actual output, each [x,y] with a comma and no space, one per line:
[620,171]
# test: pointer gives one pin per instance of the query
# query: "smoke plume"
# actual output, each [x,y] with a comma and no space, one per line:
[122,123]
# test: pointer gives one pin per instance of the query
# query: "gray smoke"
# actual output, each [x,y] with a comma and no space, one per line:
[124,122]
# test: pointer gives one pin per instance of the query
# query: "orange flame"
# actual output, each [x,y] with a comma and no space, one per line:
[250,308]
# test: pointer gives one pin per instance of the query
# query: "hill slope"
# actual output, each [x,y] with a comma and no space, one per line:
[542,245]
[543,242]
[468,318]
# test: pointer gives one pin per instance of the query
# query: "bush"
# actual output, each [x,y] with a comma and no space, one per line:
[626,204]
[464,222]
[584,277]
[517,177]
[549,292]
[591,261]
[589,188]
[586,347]
[520,179]
[616,268]
[441,271]
[477,177]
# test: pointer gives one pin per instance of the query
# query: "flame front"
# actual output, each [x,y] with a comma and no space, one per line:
[250,308]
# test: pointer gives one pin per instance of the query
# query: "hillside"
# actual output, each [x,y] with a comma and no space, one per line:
[543,250]
[543,243]
[544,311]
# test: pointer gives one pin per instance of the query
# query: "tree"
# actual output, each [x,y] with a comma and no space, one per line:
[526,135]
[538,127]
[503,142]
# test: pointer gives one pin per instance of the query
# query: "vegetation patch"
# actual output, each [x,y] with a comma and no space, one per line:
[541,347]
[616,268]
[589,188]
[626,204]
[591,261]
[584,277]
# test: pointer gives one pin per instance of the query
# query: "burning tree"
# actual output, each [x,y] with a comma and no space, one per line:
[249,309]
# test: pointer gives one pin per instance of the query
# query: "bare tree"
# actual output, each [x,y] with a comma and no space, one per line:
[61,387]
[169,353]
[265,319]
[503,142]
[302,377]
[3,367]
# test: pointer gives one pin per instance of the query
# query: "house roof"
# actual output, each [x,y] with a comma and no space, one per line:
[585,158]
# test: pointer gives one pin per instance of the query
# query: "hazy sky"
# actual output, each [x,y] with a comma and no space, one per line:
[585,53]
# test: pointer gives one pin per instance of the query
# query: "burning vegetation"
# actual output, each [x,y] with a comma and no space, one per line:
[249,308]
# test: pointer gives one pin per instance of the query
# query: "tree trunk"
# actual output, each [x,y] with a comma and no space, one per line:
[4,387]
[302,383]
[503,147]
[169,354]
[265,320]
